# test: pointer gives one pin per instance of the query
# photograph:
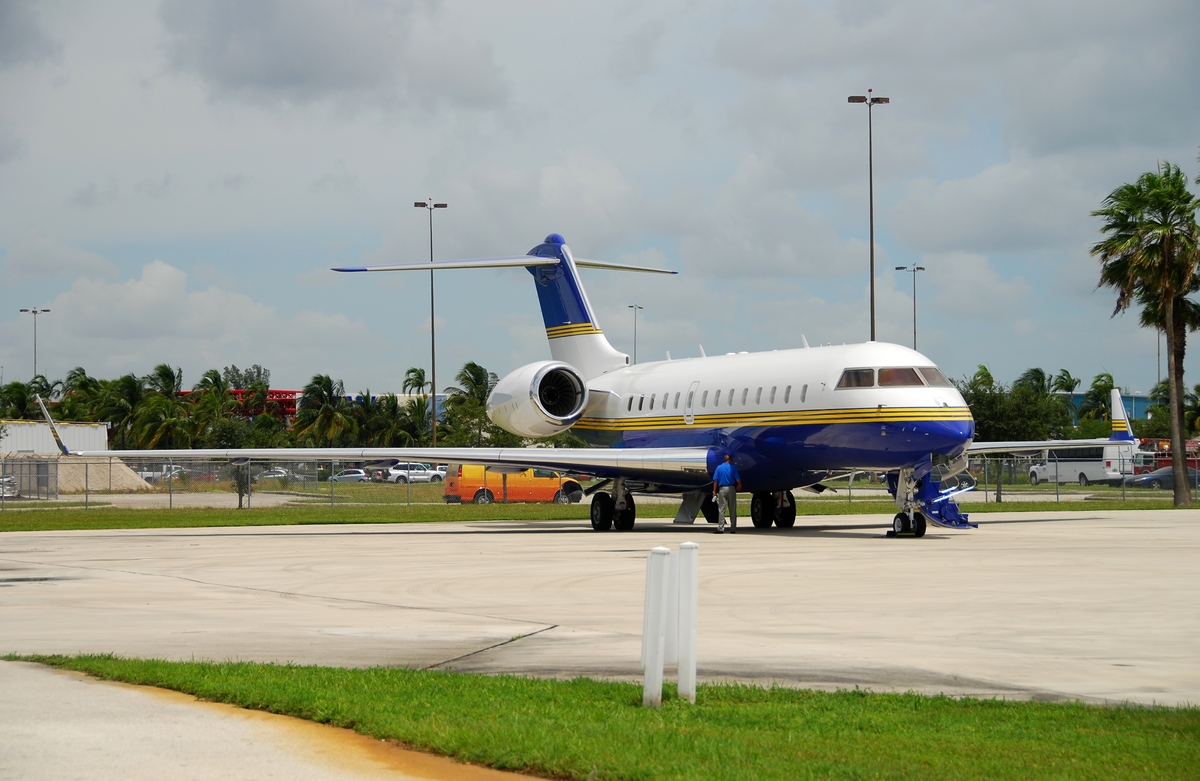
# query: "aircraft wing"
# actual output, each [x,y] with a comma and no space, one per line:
[509,261]
[1029,447]
[671,466]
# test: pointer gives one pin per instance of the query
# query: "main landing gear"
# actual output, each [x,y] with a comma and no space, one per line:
[608,512]
[776,507]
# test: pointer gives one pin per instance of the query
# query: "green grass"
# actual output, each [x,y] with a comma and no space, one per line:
[587,729]
[54,517]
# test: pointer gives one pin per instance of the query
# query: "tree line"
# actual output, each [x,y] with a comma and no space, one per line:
[153,411]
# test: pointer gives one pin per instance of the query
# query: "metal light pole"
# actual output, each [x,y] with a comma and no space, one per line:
[871,101]
[914,269]
[635,308]
[35,312]
[430,205]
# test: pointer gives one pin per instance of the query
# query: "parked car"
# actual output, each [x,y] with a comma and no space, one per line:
[413,473]
[278,473]
[8,486]
[1161,478]
[152,475]
[350,476]
[472,483]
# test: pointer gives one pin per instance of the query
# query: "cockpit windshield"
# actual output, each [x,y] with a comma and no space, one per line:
[894,377]
[934,377]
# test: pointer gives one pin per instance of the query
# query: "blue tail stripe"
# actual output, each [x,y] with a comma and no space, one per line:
[559,295]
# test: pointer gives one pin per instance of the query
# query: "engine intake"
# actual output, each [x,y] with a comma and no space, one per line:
[539,399]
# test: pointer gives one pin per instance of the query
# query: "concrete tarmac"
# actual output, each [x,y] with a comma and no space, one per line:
[1094,606]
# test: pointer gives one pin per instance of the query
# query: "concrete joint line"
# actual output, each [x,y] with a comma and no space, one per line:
[490,647]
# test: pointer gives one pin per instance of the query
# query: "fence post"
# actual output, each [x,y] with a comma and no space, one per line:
[85,483]
[170,487]
[332,465]
[689,556]
[656,608]
[1057,495]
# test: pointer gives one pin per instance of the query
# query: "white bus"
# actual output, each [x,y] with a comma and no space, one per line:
[1086,465]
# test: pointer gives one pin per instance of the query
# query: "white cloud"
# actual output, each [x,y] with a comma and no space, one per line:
[968,285]
[35,256]
[637,52]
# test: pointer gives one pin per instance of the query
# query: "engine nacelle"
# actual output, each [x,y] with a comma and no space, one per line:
[539,399]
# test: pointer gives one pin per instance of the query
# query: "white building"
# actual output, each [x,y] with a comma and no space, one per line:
[33,437]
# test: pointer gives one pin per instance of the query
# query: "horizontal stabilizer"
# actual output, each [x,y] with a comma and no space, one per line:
[512,261]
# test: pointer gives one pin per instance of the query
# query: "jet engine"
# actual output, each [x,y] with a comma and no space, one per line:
[539,399]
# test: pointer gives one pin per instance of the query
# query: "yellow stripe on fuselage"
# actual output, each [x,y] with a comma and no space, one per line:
[781,418]
[573,329]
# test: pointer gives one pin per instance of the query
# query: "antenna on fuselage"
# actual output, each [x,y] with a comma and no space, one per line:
[668,355]
[804,341]
[702,353]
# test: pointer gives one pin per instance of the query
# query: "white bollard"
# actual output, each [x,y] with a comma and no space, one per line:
[655,621]
[671,629]
[689,586]
[646,615]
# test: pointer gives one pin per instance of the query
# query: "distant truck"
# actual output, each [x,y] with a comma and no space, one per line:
[473,483]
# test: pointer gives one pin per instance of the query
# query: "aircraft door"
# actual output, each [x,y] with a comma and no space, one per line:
[688,404]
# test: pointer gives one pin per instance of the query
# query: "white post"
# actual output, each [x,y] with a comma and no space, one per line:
[671,627]
[85,484]
[689,581]
[645,610]
[656,608]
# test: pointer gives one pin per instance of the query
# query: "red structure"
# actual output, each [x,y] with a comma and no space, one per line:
[280,403]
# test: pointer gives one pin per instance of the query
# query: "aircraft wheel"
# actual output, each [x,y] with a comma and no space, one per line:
[483,496]
[623,519]
[762,510]
[602,512]
[918,525]
[900,523]
[785,518]
[708,508]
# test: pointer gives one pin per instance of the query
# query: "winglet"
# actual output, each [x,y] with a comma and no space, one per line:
[1121,430]
[53,428]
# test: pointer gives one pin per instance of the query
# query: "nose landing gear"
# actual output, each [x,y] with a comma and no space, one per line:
[912,523]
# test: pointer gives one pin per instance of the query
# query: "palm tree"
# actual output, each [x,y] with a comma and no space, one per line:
[1150,251]
[475,382]
[165,380]
[1036,379]
[163,421]
[1096,401]
[414,381]
[324,413]
[211,402]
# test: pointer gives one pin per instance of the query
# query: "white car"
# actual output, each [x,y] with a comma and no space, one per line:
[413,473]
[350,476]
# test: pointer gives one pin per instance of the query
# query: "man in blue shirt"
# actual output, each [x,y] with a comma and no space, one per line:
[726,483]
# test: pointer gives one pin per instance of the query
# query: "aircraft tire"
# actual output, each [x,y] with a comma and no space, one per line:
[623,519]
[785,518]
[918,525]
[602,512]
[483,496]
[900,523]
[762,510]
[708,508]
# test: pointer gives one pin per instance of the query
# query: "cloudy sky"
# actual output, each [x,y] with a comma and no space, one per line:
[177,177]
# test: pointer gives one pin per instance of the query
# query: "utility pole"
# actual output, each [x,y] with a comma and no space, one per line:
[35,312]
[430,205]
[871,102]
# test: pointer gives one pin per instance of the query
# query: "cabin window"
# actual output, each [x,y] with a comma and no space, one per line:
[758,397]
[787,394]
[717,399]
[894,378]
[691,398]
[651,401]
[773,387]
[745,393]
[676,401]
[704,399]
[857,378]
[803,392]
[731,397]
[934,377]
[641,401]
[629,406]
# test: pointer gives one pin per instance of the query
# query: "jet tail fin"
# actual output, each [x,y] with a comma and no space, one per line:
[53,428]
[1121,430]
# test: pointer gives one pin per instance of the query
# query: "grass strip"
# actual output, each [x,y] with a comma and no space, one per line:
[585,729]
[56,518]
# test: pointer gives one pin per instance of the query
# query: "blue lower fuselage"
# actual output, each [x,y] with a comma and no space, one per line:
[782,457]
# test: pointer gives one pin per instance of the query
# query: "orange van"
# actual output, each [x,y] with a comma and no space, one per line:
[474,483]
